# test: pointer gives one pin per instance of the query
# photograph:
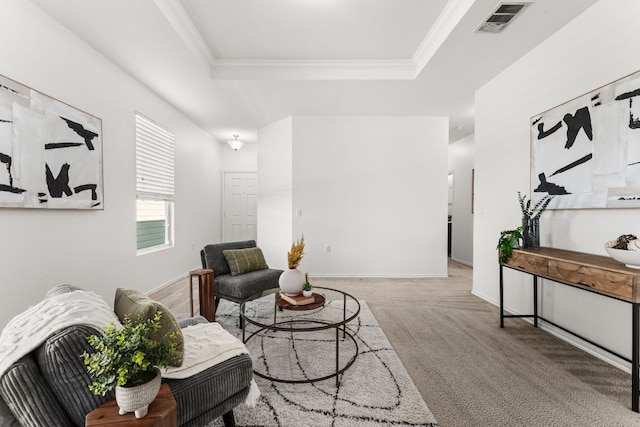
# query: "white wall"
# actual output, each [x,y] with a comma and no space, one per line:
[243,160]
[461,158]
[96,250]
[275,186]
[374,189]
[591,51]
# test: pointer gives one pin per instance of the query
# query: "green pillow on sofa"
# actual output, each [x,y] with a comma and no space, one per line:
[242,261]
[133,303]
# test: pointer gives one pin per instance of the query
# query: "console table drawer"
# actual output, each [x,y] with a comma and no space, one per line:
[605,281]
[528,262]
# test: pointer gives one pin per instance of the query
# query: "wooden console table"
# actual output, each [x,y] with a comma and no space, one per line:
[593,273]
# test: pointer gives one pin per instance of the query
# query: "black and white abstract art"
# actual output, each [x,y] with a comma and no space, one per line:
[50,152]
[586,152]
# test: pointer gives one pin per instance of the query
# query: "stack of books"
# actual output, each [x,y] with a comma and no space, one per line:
[297,299]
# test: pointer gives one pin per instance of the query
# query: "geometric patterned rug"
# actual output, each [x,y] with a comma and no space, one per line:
[375,391]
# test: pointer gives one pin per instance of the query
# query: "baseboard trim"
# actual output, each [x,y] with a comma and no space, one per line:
[328,276]
[566,337]
[171,281]
[462,262]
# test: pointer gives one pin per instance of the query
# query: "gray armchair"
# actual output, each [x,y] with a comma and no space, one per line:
[240,287]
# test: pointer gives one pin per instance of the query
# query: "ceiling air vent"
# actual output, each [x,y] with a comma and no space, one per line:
[502,16]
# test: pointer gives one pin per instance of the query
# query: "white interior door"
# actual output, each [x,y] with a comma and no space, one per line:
[240,206]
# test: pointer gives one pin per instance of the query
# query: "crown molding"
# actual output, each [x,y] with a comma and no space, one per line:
[242,69]
[256,69]
[450,17]
[182,24]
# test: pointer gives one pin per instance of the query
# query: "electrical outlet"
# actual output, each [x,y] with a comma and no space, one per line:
[327,249]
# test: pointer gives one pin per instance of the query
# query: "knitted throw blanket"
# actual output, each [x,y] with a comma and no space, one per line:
[206,345]
[28,330]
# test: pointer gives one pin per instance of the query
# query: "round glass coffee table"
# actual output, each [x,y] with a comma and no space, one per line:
[294,343]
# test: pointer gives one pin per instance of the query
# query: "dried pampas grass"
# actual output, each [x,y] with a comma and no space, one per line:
[297,252]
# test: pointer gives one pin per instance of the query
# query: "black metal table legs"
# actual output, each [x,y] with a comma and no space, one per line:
[501,299]
[634,357]
[535,301]
[635,336]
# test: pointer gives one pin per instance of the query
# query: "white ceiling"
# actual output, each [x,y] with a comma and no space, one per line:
[298,29]
[233,66]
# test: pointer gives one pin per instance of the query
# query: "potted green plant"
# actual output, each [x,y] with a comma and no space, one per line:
[127,358]
[307,288]
[507,241]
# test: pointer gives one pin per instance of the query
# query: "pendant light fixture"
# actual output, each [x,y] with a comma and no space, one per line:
[235,144]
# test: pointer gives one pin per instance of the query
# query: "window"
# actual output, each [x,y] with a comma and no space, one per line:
[154,186]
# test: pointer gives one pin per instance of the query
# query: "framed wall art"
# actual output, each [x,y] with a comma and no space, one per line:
[50,152]
[586,152]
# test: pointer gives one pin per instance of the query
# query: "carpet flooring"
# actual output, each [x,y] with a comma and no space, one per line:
[375,391]
[469,371]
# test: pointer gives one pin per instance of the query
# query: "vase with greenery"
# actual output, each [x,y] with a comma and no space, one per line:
[531,219]
[292,280]
[127,358]
[507,241]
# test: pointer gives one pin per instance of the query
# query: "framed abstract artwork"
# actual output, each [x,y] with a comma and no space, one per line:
[50,152]
[586,152]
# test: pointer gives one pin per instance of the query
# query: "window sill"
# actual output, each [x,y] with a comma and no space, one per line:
[153,249]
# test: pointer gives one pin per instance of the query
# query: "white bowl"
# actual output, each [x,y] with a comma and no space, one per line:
[629,258]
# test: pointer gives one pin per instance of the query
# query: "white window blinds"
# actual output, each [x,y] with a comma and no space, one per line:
[154,161]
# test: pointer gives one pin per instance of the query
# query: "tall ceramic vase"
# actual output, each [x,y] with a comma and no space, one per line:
[291,281]
[531,232]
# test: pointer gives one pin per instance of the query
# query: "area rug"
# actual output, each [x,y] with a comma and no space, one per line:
[375,391]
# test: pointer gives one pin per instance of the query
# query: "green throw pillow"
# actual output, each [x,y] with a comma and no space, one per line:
[245,260]
[133,303]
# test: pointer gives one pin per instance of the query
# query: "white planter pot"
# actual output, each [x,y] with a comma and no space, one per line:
[137,399]
[291,281]
[307,294]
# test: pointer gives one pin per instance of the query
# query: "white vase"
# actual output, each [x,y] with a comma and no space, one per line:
[291,281]
[137,399]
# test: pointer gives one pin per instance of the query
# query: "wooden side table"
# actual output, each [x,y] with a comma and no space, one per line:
[206,293]
[162,413]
